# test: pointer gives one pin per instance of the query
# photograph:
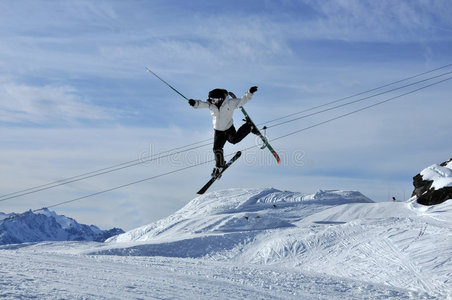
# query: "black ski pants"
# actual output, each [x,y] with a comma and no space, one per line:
[230,135]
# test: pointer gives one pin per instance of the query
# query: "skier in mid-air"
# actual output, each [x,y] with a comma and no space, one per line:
[222,104]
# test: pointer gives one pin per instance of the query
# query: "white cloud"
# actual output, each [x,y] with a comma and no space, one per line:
[48,104]
[379,21]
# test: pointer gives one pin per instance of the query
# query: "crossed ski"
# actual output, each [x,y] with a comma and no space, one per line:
[237,155]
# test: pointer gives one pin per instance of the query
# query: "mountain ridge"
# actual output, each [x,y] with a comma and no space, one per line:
[46,225]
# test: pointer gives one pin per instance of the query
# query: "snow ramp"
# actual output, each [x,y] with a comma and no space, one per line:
[226,222]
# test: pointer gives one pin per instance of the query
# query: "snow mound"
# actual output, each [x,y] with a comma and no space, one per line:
[237,210]
[332,232]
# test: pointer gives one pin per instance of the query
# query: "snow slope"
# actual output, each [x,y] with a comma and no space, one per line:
[47,271]
[238,211]
[252,243]
[335,233]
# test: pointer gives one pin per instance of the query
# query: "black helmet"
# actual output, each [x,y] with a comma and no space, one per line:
[218,94]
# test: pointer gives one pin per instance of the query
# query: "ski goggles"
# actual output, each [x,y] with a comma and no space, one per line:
[216,99]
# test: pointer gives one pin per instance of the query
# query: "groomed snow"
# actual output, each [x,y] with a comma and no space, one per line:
[48,271]
[252,243]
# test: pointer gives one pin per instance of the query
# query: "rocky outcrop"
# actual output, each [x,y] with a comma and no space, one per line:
[432,185]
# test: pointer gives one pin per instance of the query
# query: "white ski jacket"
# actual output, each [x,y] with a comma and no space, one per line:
[222,117]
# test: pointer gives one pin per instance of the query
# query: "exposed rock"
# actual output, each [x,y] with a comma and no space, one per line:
[426,191]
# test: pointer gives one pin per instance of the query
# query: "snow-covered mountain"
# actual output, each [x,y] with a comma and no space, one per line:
[337,233]
[46,225]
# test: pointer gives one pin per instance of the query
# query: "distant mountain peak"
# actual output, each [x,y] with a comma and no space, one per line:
[47,225]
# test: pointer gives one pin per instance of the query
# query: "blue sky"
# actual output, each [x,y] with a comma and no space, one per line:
[75,97]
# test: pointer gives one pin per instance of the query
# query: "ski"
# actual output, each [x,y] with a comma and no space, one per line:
[212,180]
[263,138]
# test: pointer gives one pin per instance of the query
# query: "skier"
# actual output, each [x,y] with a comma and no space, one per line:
[222,105]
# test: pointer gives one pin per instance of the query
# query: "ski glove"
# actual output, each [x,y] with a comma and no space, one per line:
[253,89]
[192,102]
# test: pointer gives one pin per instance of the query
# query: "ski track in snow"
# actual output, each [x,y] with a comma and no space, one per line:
[32,272]
[251,243]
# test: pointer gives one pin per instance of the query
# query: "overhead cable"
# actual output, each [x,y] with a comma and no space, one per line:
[207,142]
[249,148]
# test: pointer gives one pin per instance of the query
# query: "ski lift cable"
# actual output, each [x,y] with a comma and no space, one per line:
[248,148]
[95,173]
[102,171]
[361,109]
[135,182]
[359,100]
[160,155]
[355,95]
[122,186]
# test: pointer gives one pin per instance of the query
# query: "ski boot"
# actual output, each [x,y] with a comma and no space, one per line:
[216,172]
[254,129]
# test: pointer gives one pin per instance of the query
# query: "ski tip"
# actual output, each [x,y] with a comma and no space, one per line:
[201,191]
[277,157]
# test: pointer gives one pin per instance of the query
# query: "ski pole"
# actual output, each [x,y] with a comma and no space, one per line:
[149,70]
